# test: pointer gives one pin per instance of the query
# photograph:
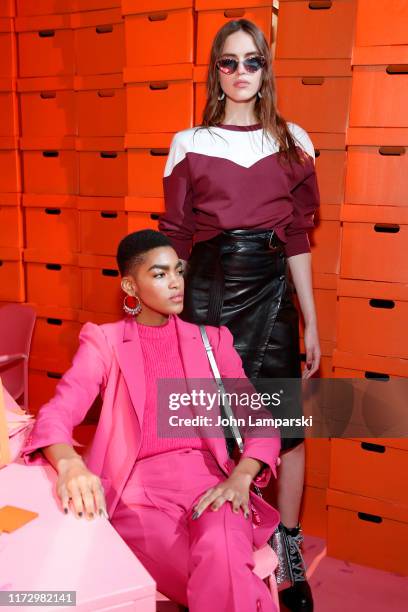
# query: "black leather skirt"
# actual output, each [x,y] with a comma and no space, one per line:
[240,279]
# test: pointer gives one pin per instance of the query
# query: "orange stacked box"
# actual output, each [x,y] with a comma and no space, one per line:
[11,228]
[313,509]
[11,249]
[7,8]
[368,516]
[28,8]
[313,73]
[50,182]
[100,123]
[159,39]
[373,297]
[100,130]
[53,286]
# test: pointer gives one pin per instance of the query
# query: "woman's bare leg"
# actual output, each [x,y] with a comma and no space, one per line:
[291,474]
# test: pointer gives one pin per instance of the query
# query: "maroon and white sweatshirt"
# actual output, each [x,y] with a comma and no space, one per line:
[229,177]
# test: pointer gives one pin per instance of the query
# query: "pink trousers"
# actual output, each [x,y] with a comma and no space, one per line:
[203,564]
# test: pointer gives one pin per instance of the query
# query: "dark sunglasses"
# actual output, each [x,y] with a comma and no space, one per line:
[228,65]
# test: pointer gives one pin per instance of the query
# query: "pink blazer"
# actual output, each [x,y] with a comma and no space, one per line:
[109,361]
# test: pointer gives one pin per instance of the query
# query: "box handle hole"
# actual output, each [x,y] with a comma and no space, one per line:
[159,152]
[54,321]
[234,13]
[387,304]
[371,518]
[106,93]
[313,80]
[54,267]
[391,150]
[106,272]
[48,95]
[159,85]
[104,29]
[157,17]
[50,153]
[373,448]
[376,376]
[46,33]
[317,5]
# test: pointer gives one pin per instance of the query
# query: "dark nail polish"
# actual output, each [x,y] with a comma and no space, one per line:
[91,515]
[100,511]
[79,513]
[195,516]
[66,510]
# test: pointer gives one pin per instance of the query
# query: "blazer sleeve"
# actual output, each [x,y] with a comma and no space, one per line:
[305,201]
[178,222]
[264,449]
[74,395]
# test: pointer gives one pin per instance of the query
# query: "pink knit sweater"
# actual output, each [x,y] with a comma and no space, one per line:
[161,360]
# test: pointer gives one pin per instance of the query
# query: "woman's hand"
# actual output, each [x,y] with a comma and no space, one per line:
[313,352]
[77,484]
[235,490]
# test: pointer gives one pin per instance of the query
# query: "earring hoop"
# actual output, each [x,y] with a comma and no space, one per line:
[259,94]
[222,96]
[132,309]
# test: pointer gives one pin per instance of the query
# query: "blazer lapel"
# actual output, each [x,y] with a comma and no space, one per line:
[130,358]
[196,366]
[193,355]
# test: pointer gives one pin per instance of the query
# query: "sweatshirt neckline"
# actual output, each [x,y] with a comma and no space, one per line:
[157,331]
[240,128]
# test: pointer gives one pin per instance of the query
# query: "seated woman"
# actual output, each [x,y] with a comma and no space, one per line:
[181,504]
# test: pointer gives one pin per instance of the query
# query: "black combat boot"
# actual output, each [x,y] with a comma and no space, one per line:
[298,597]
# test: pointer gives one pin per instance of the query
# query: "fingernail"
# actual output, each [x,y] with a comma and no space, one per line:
[79,513]
[195,516]
[91,515]
[246,514]
[100,511]
[66,510]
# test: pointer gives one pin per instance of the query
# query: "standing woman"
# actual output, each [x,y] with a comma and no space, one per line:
[241,193]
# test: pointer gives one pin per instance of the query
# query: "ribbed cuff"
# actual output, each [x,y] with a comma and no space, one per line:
[297,244]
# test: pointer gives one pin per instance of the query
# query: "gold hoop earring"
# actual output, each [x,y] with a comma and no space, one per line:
[133,309]
[222,96]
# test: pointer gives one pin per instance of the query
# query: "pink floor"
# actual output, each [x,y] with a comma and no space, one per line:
[339,586]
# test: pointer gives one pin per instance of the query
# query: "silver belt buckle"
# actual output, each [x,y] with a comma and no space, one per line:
[272,248]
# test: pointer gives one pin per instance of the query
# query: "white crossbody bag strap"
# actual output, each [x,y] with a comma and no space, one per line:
[227,407]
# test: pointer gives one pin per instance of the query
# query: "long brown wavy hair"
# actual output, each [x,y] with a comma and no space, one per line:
[265,108]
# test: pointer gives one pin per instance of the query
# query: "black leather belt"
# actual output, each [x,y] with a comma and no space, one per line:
[259,236]
[229,240]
